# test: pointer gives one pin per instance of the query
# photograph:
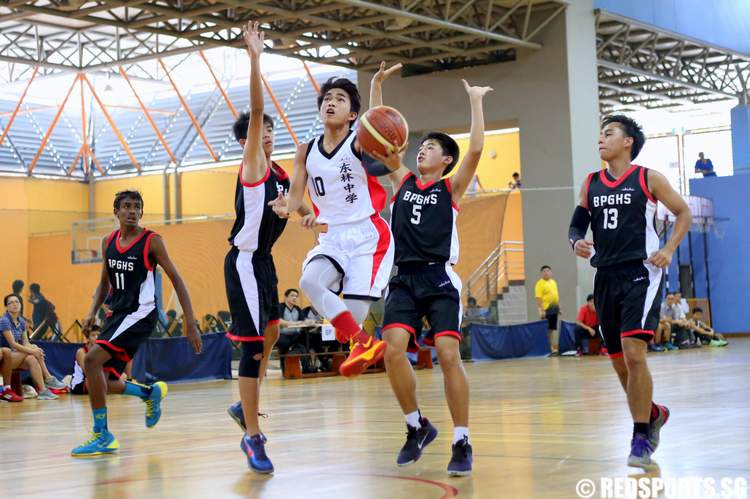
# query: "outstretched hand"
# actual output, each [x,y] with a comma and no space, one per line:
[279,206]
[383,74]
[476,92]
[392,161]
[194,337]
[254,38]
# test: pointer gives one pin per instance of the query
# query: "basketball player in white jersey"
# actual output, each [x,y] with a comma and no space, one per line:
[355,255]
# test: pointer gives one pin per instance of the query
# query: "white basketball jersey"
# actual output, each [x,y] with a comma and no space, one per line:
[340,189]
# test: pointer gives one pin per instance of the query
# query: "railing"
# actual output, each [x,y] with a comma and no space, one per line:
[503,265]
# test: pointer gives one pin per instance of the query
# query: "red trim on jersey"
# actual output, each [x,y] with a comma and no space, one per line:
[586,189]
[243,338]
[132,243]
[146,249]
[259,182]
[280,172]
[422,186]
[273,322]
[608,183]
[315,209]
[384,241]
[395,193]
[111,236]
[118,353]
[450,191]
[615,355]
[394,325]
[636,331]
[644,186]
[377,194]
[454,334]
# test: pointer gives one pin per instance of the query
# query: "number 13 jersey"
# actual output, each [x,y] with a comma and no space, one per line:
[622,216]
[423,222]
[340,189]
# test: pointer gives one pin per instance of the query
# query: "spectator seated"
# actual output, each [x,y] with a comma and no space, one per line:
[704,332]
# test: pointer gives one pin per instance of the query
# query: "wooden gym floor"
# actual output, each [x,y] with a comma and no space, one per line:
[538,426]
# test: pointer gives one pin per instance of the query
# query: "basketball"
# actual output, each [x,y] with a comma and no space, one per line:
[382,129]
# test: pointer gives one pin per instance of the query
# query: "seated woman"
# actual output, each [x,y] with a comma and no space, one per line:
[78,381]
[701,329]
[23,355]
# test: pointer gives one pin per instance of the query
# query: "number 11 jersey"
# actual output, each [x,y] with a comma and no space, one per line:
[622,216]
[131,274]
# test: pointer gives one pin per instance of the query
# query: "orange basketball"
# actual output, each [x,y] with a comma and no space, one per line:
[382,129]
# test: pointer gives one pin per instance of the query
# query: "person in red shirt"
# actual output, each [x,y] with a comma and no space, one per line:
[587,323]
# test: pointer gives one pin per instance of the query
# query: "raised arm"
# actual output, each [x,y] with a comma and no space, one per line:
[102,290]
[461,180]
[159,253]
[662,191]
[398,170]
[283,207]
[253,158]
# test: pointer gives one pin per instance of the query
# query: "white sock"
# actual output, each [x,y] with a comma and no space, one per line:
[412,419]
[459,432]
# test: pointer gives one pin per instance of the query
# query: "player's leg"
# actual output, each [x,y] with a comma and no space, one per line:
[640,316]
[270,337]
[102,440]
[30,363]
[244,285]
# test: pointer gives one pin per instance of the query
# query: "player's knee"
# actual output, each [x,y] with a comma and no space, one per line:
[448,357]
[308,282]
[252,354]
[393,353]
[634,356]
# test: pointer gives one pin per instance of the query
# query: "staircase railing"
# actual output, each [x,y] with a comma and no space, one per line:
[503,265]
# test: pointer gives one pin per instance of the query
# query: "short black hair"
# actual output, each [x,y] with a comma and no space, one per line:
[242,123]
[93,329]
[589,297]
[122,195]
[17,286]
[631,128]
[35,288]
[545,267]
[670,293]
[8,297]
[172,313]
[515,174]
[291,290]
[471,300]
[697,309]
[447,144]
[347,86]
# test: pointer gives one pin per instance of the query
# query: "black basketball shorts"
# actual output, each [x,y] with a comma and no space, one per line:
[627,297]
[252,293]
[424,291]
[122,334]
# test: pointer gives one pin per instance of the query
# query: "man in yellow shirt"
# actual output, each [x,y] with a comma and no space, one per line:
[548,301]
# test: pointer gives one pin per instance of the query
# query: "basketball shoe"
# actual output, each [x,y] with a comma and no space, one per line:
[153,403]
[236,413]
[462,458]
[416,441]
[9,395]
[255,450]
[640,452]
[655,426]
[362,356]
[97,445]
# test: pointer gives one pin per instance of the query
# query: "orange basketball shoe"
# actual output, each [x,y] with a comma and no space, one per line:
[362,356]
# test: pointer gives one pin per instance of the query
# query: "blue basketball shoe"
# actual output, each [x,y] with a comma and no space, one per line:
[99,444]
[153,403]
[255,450]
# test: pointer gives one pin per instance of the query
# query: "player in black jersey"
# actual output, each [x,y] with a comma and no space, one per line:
[130,256]
[424,209]
[620,204]
[249,271]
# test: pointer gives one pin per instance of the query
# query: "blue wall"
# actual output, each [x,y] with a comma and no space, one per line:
[718,22]
[729,256]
